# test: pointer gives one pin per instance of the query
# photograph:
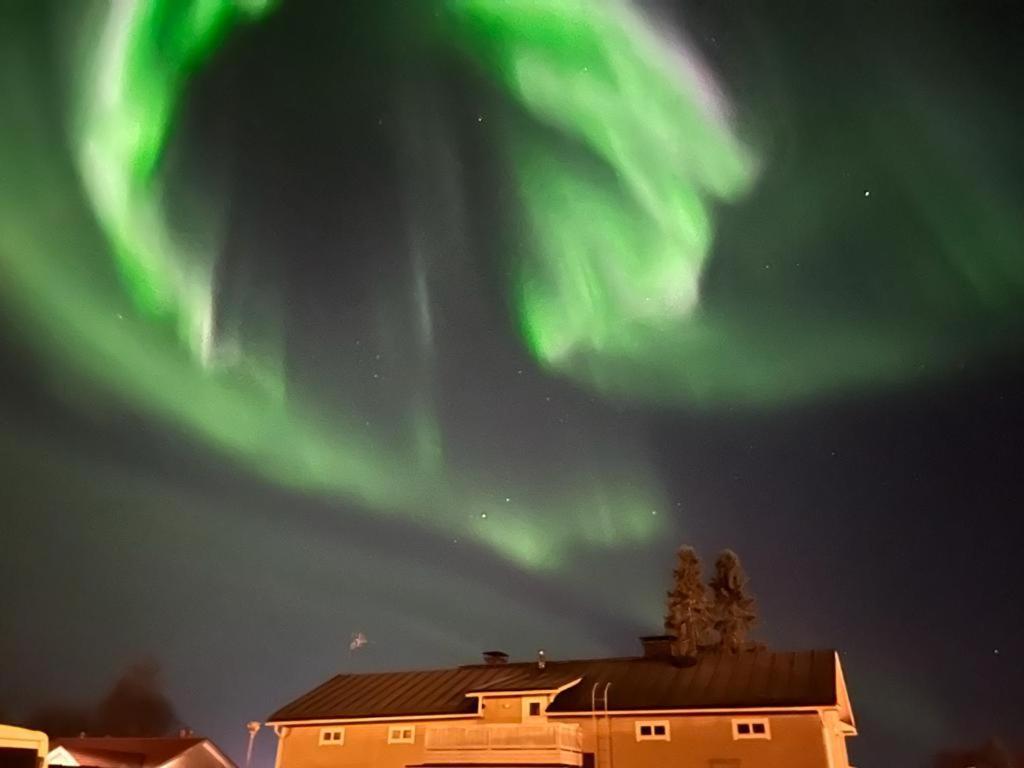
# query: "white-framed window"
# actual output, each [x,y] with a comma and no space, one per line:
[402,734]
[534,707]
[653,730]
[751,728]
[332,737]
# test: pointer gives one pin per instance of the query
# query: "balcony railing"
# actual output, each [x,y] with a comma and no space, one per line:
[555,741]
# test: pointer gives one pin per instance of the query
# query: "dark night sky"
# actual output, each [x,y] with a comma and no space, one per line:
[877,520]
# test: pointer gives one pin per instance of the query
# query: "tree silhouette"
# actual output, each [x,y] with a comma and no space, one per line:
[734,611]
[135,705]
[688,617]
[992,754]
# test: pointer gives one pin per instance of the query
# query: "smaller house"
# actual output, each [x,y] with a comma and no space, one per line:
[137,752]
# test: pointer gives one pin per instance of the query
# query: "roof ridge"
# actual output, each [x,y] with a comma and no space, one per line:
[550,662]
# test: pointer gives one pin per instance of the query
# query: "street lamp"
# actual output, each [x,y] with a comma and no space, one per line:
[252,727]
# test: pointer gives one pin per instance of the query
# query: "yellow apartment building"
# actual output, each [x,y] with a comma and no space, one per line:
[746,710]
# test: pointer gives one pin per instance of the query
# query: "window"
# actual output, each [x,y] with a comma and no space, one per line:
[652,730]
[751,728]
[402,734]
[332,736]
[533,708]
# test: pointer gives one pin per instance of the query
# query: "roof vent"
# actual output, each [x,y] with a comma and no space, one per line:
[495,657]
[657,646]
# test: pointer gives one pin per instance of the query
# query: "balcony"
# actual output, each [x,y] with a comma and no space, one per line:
[548,743]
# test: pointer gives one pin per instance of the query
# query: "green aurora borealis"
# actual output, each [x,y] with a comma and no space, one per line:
[613,291]
[157,349]
[624,284]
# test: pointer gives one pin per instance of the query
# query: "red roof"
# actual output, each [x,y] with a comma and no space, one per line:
[117,752]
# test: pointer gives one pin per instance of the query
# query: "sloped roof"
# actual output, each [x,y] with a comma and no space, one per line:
[115,752]
[747,680]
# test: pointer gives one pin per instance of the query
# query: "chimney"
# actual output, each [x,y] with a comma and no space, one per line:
[492,658]
[658,646]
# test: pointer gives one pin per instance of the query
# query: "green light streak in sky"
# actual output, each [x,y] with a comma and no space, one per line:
[628,151]
[619,187]
[155,352]
[128,94]
[621,240]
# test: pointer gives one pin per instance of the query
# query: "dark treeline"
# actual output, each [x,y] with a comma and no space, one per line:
[135,705]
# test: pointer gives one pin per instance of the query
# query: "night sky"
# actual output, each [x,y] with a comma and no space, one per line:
[452,388]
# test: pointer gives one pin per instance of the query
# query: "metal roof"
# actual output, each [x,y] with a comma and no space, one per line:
[748,680]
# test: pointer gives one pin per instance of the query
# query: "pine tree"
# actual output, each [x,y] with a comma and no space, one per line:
[734,611]
[688,617]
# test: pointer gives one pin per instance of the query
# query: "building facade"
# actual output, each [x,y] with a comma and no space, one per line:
[756,708]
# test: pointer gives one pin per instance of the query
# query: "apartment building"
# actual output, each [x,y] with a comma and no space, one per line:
[755,708]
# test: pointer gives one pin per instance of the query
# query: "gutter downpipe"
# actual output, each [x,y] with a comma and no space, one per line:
[280,731]
[608,724]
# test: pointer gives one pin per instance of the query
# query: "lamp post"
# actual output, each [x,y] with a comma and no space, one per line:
[252,727]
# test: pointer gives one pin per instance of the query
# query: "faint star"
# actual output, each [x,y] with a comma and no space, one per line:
[483,515]
[867,193]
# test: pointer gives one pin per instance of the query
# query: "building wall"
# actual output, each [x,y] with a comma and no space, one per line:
[834,732]
[501,709]
[366,746]
[706,741]
[696,741]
